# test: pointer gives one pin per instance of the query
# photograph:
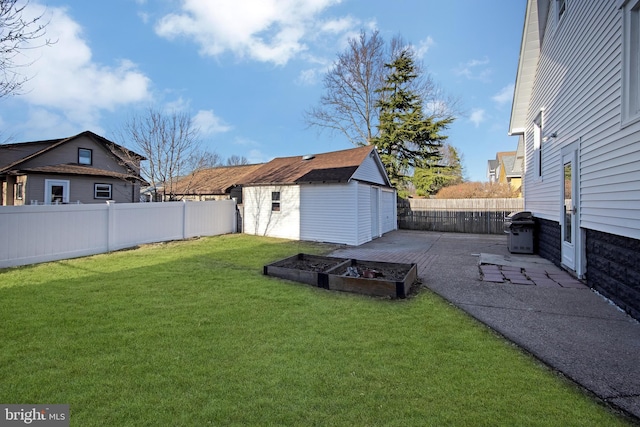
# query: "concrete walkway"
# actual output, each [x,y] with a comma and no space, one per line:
[530,302]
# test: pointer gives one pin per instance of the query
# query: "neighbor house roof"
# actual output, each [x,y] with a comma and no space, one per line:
[215,180]
[336,166]
[70,169]
[12,155]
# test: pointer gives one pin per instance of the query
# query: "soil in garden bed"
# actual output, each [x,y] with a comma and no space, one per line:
[370,270]
[317,265]
[375,270]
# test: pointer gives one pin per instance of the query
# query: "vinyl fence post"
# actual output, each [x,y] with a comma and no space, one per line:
[111,226]
[184,219]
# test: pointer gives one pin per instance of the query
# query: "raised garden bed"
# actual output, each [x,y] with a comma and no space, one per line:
[374,278]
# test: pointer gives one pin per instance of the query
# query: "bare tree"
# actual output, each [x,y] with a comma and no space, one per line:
[170,143]
[351,90]
[237,161]
[205,160]
[16,34]
[348,105]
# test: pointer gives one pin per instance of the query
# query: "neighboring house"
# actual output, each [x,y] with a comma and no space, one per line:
[576,108]
[85,168]
[492,171]
[507,168]
[339,197]
[214,184]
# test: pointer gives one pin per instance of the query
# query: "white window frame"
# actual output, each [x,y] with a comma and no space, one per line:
[630,62]
[109,188]
[538,127]
[48,183]
[80,161]
[276,205]
[19,191]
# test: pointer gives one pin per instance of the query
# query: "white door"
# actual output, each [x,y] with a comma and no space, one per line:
[569,209]
[375,215]
[56,191]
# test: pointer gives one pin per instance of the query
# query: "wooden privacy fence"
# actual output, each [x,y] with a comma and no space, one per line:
[32,234]
[481,216]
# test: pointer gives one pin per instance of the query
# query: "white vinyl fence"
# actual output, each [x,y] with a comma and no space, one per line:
[33,234]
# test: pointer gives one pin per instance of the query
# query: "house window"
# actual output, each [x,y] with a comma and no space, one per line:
[631,62]
[102,191]
[85,156]
[537,145]
[19,191]
[275,201]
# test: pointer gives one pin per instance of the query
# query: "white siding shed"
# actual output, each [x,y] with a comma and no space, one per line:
[339,197]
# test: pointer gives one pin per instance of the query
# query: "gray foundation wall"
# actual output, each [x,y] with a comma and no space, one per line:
[547,240]
[613,269]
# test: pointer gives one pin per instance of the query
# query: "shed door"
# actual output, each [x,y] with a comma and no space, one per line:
[375,212]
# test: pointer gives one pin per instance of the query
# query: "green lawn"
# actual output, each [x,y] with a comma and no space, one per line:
[191,333]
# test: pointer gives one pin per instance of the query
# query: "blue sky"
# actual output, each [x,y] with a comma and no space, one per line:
[247,69]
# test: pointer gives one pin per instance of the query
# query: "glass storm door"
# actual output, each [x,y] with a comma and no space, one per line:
[568,211]
[56,191]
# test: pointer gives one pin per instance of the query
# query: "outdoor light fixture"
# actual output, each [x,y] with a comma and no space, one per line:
[552,136]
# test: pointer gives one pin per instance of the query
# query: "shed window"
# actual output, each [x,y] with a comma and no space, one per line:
[275,201]
[102,191]
[631,62]
[85,156]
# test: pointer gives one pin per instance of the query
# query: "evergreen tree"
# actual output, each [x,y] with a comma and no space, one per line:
[439,173]
[407,138]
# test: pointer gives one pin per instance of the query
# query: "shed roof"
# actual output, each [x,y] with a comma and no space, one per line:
[336,166]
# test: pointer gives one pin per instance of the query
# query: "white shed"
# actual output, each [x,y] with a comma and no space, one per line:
[338,197]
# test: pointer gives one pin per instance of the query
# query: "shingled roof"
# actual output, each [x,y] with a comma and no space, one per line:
[12,155]
[215,180]
[71,169]
[336,166]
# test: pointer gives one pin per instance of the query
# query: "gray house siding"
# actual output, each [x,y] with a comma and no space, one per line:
[578,91]
[68,153]
[81,189]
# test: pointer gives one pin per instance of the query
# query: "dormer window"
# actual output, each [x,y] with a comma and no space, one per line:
[85,156]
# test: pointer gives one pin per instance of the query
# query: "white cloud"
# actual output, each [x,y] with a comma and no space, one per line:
[264,30]
[256,156]
[477,116]
[209,123]
[423,47]
[179,104]
[67,82]
[307,77]
[246,142]
[340,25]
[475,70]
[505,95]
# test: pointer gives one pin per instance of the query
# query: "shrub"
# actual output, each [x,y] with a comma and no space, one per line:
[477,190]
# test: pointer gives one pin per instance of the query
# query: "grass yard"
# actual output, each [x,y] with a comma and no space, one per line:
[191,333]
